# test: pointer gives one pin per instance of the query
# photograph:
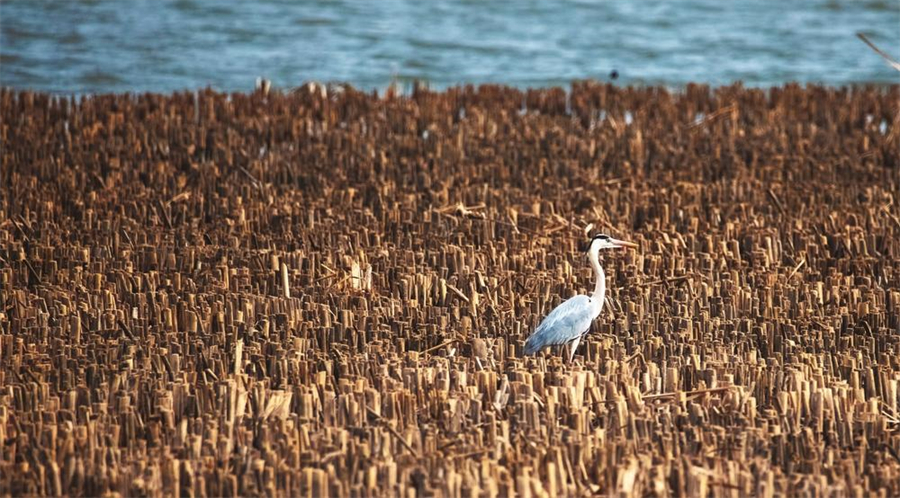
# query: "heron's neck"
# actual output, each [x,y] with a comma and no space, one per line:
[600,286]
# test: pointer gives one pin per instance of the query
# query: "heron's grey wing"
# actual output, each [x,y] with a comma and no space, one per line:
[568,321]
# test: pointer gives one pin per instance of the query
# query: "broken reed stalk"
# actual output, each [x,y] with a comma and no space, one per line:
[696,392]
[890,60]
[441,345]
[393,432]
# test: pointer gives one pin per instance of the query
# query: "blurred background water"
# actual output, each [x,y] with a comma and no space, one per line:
[153,45]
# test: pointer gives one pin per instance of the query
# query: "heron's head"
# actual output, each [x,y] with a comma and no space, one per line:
[603,241]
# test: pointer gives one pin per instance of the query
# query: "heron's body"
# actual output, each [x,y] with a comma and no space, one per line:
[569,321]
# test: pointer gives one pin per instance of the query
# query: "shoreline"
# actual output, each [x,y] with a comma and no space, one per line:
[408,87]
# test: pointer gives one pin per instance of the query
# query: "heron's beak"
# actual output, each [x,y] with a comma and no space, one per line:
[622,244]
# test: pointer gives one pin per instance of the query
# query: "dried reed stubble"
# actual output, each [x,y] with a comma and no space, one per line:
[209,294]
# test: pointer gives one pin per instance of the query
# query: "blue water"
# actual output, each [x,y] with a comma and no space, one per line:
[153,45]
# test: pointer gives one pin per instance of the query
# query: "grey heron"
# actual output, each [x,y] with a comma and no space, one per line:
[572,319]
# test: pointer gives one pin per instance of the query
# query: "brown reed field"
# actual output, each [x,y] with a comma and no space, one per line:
[323,292]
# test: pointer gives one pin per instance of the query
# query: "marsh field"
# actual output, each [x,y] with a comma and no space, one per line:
[324,292]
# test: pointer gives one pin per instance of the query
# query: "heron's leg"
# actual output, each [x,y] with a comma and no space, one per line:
[572,347]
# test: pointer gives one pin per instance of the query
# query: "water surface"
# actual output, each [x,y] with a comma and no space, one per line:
[153,45]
